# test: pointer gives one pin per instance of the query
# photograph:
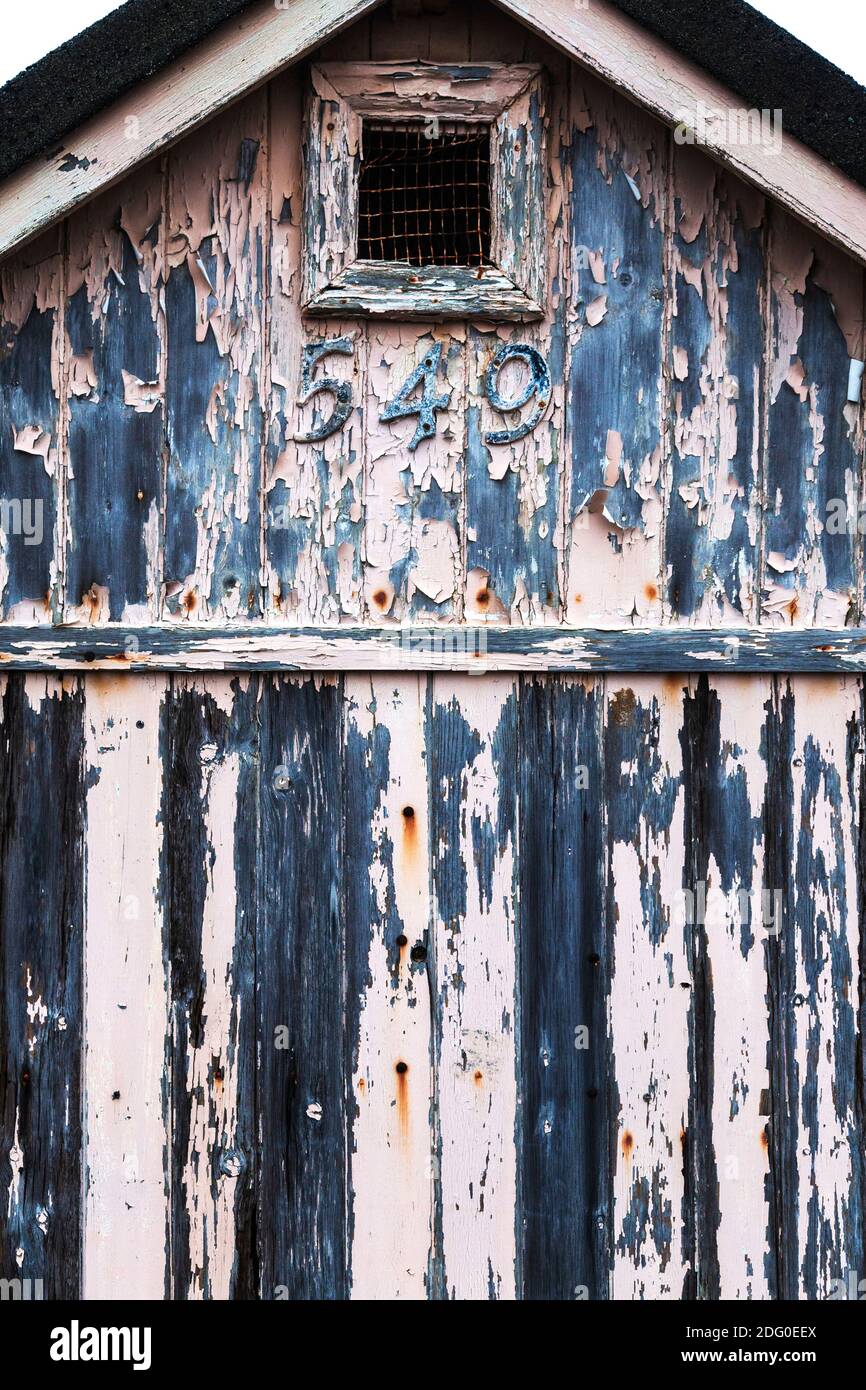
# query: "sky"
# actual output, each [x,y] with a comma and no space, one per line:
[836,28]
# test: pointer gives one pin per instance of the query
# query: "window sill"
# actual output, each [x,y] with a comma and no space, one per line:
[394,290]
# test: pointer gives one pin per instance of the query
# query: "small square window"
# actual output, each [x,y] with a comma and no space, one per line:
[425,191]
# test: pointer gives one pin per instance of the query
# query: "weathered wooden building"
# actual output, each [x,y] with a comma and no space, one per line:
[433,816]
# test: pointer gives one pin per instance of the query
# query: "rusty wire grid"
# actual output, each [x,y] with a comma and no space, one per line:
[424,193]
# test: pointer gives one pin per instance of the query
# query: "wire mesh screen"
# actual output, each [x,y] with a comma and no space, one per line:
[424,199]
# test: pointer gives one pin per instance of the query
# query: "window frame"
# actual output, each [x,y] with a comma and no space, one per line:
[511,100]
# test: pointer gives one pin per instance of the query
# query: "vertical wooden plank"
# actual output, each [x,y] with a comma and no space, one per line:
[397,32]
[565,1087]
[814,448]
[313,518]
[116,331]
[856,771]
[413,500]
[215,333]
[126,1015]
[493,34]
[350,43]
[715,369]
[645,863]
[387,905]
[735,914]
[332,138]
[473,828]
[614,378]
[514,490]
[450,34]
[824,933]
[210,820]
[744,916]
[41,933]
[700,744]
[302,1085]
[32,366]
[783,1275]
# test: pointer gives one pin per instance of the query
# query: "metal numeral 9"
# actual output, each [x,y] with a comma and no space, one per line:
[538,385]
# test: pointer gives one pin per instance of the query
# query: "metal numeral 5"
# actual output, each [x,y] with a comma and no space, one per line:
[340,390]
[538,385]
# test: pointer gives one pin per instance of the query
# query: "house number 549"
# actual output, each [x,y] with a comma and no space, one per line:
[425,406]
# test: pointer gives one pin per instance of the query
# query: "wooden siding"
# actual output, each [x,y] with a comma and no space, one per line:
[519,986]
[697,440]
[379,916]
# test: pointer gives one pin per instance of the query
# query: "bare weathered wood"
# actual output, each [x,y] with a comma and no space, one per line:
[474,861]
[565,1083]
[313,489]
[378,289]
[476,650]
[644,870]
[41,1001]
[115,387]
[301,1087]
[32,430]
[613,378]
[209,864]
[715,394]
[214,300]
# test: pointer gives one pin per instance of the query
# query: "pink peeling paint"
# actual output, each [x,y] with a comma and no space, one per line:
[393,1160]
[126,992]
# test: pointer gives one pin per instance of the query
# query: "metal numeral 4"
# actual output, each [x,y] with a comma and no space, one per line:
[426,405]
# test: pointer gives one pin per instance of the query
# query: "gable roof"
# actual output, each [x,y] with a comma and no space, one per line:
[61,121]
[755,58]
[769,69]
[69,85]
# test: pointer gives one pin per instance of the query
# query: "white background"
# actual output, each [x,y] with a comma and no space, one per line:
[836,28]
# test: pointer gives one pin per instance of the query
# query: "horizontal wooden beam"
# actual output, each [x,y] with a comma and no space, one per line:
[680,93]
[468,649]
